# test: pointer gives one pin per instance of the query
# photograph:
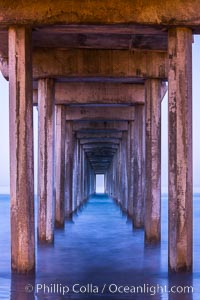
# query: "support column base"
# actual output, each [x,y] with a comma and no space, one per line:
[180,269]
[153,235]
[138,224]
[23,270]
[59,225]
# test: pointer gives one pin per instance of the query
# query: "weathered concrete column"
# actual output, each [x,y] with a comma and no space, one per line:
[128,165]
[88,178]
[75,176]
[139,165]
[124,171]
[180,149]
[46,160]
[131,168]
[93,181]
[119,174]
[115,174]
[108,177]
[153,161]
[110,188]
[82,175]
[113,178]
[78,174]
[69,146]
[21,150]
[106,182]
[60,166]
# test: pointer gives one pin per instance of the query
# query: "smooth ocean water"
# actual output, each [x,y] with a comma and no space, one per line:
[99,248]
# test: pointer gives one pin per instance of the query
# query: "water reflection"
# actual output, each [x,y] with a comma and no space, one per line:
[180,287]
[22,287]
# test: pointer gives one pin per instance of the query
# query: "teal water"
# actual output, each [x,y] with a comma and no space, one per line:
[99,255]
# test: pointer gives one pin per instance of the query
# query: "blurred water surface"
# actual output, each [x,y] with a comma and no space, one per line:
[97,253]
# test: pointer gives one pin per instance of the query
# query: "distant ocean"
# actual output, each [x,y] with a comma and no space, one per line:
[99,255]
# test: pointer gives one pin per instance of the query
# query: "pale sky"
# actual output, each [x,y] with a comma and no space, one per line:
[4,130]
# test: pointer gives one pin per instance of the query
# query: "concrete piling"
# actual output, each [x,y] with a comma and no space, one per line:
[21,150]
[46,138]
[180,149]
[153,161]
[60,166]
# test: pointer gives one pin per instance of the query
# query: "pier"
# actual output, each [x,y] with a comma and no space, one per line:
[97,72]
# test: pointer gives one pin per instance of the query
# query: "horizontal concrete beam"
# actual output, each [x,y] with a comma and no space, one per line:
[102,146]
[173,12]
[108,152]
[102,126]
[81,63]
[97,93]
[99,140]
[100,113]
[100,165]
[95,156]
[90,135]
[100,160]
[99,63]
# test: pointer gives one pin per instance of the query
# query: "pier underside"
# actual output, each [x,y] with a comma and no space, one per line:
[97,72]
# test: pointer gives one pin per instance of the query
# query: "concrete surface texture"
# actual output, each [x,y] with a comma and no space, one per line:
[102,66]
